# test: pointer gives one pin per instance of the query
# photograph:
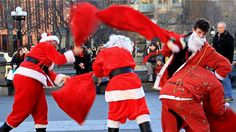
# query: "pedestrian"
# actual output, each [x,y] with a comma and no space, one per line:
[33,74]
[124,92]
[17,59]
[223,42]
[82,62]
[159,65]
[150,56]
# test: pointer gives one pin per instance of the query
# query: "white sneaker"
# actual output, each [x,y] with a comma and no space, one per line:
[150,78]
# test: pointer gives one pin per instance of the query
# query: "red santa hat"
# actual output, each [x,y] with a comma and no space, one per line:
[48,37]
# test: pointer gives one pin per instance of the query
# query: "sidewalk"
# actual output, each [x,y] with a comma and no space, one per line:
[96,120]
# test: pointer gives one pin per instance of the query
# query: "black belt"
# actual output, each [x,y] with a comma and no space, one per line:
[120,71]
[35,61]
[31,59]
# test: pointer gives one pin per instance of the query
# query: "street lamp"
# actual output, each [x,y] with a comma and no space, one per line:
[19,15]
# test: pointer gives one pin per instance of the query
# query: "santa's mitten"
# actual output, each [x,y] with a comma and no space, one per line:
[176,46]
[59,80]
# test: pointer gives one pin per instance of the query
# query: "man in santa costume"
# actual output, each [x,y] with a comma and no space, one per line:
[34,73]
[181,95]
[124,92]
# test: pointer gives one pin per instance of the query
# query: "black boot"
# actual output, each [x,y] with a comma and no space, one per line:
[113,129]
[145,127]
[40,129]
[5,128]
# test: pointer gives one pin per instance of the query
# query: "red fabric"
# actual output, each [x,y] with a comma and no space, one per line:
[129,109]
[148,56]
[122,82]
[29,99]
[191,112]
[126,18]
[223,123]
[110,59]
[158,68]
[76,97]
[82,21]
[211,59]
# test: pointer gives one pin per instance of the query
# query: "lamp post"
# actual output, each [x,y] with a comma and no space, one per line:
[19,15]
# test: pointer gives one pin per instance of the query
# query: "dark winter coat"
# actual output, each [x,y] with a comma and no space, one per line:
[224,44]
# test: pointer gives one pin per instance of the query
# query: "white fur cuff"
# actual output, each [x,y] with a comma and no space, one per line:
[70,58]
[173,47]
[218,76]
[143,118]
[58,80]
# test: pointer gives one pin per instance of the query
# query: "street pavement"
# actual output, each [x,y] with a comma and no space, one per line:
[96,120]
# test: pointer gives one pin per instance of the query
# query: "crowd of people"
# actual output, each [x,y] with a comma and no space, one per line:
[192,96]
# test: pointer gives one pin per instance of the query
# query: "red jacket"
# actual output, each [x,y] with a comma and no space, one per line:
[123,86]
[46,54]
[208,58]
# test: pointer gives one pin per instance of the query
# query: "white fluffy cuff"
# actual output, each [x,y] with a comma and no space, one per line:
[70,58]
[218,76]
[173,47]
[58,80]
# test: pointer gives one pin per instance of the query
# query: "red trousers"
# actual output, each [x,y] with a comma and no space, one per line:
[183,114]
[29,99]
[127,109]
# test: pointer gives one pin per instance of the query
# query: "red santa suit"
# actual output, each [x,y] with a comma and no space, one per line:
[34,73]
[124,92]
[209,59]
[182,93]
[187,95]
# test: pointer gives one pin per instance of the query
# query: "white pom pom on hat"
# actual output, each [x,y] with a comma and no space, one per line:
[48,37]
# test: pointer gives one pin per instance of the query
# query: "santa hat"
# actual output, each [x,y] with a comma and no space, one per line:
[120,41]
[48,37]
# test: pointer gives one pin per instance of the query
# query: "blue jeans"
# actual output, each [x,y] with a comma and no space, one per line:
[227,87]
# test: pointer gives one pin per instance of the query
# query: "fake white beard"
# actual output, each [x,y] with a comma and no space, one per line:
[195,42]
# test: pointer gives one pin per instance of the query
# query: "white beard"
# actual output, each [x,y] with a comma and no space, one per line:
[195,42]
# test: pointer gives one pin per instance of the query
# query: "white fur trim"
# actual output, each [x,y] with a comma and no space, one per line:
[45,38]
[40,126]
[158,79]
[218,76]
[113,124]
[173,98]
[32,74]
[143,118]
[58,80]
[51,67]
[120,41]
[173,47]
[70,58]
[118,95]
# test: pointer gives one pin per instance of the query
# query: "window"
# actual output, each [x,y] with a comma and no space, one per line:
[146,1]
[162,1]
[177,1]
